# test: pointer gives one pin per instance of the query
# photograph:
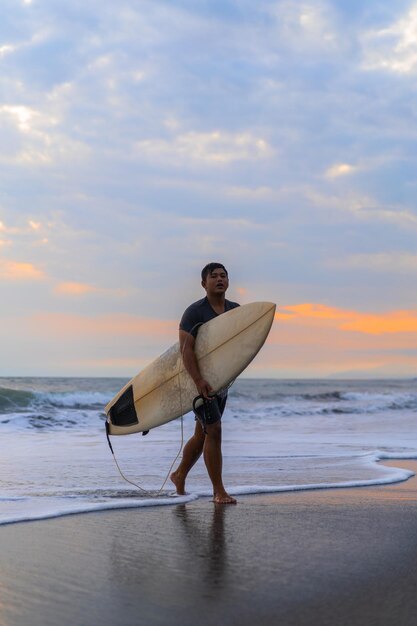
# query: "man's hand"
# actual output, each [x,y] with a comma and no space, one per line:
[204,388]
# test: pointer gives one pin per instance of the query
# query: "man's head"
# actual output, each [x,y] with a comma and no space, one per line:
[209,268]
[214,278]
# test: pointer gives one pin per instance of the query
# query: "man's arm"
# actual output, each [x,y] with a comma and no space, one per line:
[187,343]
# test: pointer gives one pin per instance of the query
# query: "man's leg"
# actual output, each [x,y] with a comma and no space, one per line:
[214,462]
[191,453]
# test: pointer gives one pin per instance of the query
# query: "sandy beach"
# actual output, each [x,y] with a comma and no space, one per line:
[339,556]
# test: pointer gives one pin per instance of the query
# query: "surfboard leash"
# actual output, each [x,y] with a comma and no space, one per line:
[117,465]
[131,482]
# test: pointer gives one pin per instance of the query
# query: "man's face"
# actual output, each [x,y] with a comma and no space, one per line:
[216,282]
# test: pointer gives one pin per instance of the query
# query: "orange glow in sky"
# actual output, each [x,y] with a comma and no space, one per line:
[349,320]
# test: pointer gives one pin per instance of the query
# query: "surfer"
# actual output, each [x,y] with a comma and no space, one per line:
[207,438]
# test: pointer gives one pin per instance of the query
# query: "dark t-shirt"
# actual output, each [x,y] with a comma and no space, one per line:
[199,313]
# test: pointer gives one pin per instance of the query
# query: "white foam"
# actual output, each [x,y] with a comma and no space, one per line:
[74,399]
[54,511]
[53,508]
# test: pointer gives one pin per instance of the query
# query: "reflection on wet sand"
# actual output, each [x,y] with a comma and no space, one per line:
[207,543]
[185,557]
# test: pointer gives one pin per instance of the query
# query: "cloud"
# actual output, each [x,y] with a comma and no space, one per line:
[121,364]
[29,227]
[307,27]
[18,271]
[351,202]
[210,148]
[68,326]
[38,139]
[23,116]
[393,48]
[250,193]
[340,169]
[215,223]
[26,232]
[347,320]
[385,262]
[74,289]
[362,207]
[6,49]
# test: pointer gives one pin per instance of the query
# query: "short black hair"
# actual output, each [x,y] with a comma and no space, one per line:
[207,269]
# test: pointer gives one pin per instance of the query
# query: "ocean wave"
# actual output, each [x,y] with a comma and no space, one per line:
[325,403]
[55,421]
[17,400]
[14,399]
[383,401]
[325,396]
[74,400]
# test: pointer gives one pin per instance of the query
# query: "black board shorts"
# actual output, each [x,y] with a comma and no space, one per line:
[211,411]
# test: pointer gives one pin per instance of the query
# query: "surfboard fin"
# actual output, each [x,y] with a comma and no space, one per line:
[108,436]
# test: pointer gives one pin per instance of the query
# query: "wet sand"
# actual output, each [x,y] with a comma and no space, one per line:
[331,557]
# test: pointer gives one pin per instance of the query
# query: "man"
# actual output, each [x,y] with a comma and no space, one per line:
[207,438]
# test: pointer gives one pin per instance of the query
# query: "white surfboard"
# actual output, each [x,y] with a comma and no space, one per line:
[164,390]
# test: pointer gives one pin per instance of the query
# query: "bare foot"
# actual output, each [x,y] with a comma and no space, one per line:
[224,498]
[179,483]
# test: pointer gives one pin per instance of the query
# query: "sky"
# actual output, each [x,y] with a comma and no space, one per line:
[141,139]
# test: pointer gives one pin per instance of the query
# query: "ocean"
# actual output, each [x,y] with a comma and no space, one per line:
[278,435]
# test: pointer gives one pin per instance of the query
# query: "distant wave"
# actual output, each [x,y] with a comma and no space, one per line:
[27,410]
[74,400]
[389,399]
[14,400]
[326,403]
[323,397]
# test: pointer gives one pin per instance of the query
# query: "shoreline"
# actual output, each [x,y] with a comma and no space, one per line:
[406,465]
[375,491]
[327,556]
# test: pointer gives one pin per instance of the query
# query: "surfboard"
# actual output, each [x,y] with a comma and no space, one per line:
[164,390]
